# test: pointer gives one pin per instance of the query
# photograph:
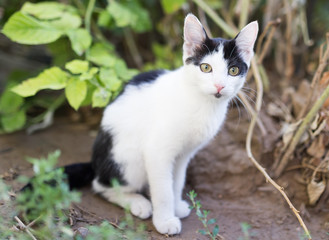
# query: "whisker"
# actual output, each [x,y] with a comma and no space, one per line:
[239,99]
[237,105]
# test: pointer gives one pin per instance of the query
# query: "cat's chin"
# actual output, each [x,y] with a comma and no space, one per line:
[218,95]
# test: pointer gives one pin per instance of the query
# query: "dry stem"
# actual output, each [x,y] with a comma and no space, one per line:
[22,225]
[323,58]
[273,25]
[309,117]
[248,146]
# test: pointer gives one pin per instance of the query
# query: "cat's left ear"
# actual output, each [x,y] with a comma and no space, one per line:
[194,35]
[245,40]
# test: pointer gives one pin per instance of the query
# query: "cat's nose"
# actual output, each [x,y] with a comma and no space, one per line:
[219,87]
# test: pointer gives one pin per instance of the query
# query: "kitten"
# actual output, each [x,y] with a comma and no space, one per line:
[162,119]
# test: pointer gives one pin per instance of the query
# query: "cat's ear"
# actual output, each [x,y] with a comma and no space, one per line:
[194,35]
[245,40]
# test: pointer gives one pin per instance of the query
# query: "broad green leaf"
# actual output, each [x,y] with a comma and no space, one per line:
[123,72]
[101,55]
[77,66]
[110,79]
[52,78]
[106,74]
[67,22]
[202,231]
[80,40]
[130,14]
[122,15]
[215,231]
[211,221]
[10,102]
[104,18]
[89,74]
[101,97]
[143,21]
[47,10]
[25,29]
[171,6]
[14,121]
[76,92]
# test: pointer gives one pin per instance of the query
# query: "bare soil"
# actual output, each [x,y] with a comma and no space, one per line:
[226,181]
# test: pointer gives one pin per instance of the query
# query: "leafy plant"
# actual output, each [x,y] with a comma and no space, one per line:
[95,75]
[44,204]
[203,217]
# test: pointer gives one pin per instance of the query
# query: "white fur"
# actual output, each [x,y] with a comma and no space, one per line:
[157,128]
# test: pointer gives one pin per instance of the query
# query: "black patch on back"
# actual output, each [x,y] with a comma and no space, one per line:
[146,77]
[105,168]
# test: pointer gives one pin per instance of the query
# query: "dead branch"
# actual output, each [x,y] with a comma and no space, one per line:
[273,24]
[23,226]
[309,117]
[323,58]
[248,146]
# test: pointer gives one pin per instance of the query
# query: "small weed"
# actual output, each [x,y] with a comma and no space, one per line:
[42,209]
[203,217]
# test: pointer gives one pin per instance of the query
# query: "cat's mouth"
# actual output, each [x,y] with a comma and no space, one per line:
[218,95]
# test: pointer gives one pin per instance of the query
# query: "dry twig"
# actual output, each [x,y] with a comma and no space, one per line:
[323,58]
[309,117]
[26,228]
[248,146]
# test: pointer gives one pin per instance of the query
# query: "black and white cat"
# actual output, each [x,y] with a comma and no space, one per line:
[161,120]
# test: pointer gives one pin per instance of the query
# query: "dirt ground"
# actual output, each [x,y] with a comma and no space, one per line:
[226,181]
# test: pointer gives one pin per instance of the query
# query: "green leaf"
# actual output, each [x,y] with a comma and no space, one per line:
[47,10]
[76,92]
[203,232]
[14,121]
[104,19]
[77,66]
[215,231]
[110,79]
[52,78]
[211,221]
[130,14]
[25,29]
[101,55]
[101,97]
[67,22]
[10,102]
[123,72]
[89,75]
[122,15]
[80,40]
[171,6]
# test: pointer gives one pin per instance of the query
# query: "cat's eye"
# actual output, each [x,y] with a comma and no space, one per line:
[233,71]
[205,67]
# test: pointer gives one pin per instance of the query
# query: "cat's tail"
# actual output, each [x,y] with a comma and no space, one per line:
[78,175]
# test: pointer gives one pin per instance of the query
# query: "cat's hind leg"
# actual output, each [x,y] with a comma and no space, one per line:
[125,197]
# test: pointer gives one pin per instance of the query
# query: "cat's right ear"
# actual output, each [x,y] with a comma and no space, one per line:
[194,35]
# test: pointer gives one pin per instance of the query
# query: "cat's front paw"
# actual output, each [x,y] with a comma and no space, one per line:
[182,209]
[141,208]
[169,226]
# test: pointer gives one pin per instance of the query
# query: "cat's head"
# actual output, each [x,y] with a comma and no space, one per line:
[218,67]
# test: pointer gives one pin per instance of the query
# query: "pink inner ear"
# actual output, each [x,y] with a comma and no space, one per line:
[194,34]
[246,40]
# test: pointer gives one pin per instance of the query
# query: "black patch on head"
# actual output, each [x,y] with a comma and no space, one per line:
[146,77]
[232,55]
[105,168]
[209,45]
